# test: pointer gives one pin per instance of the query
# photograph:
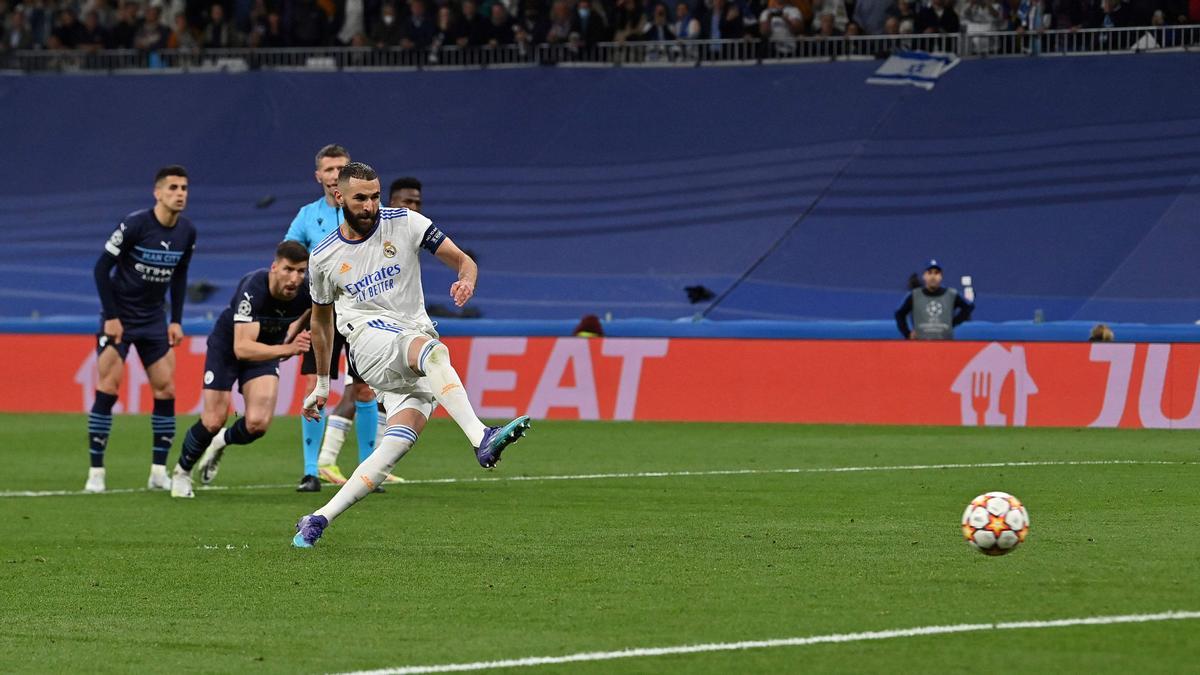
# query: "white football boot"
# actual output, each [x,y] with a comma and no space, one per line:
[95,481]
[181,484]
[158,479]
[211,461]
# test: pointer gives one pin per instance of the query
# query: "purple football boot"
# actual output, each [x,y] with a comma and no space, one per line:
[496,439]
[309,530]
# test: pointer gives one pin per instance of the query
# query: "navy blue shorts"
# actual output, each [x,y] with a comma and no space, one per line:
[222,369]
[151,342]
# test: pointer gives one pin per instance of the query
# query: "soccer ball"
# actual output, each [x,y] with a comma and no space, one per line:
[994,523]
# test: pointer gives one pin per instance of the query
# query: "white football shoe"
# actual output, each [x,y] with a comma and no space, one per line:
[181,484]
[95,481]
[158,478]
[211,461]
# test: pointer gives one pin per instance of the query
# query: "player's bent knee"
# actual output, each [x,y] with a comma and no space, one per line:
[212,422]
[433,353]
[258,424]
[345,407]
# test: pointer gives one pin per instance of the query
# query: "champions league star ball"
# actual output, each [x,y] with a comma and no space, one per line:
[994,523]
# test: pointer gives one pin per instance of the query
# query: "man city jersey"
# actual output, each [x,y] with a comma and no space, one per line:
[149,255]
[253,303]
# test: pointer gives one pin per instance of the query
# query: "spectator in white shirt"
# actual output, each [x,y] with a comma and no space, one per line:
[980,15]
[779,21]
[835,7]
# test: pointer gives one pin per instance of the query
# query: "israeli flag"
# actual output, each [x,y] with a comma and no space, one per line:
[920,69]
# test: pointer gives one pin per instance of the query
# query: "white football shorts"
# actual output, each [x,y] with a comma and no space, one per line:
[379,350]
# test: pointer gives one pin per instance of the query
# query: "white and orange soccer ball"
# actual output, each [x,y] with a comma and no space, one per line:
[995,523]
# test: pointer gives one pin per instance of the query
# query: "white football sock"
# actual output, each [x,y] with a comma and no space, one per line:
[335,437]
[448,390]
[397,441]
[381,426]
[220,440]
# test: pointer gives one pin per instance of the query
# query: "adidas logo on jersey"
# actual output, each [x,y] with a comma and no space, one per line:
[345,268]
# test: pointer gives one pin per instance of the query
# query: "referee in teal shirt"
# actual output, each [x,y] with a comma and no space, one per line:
[311,225]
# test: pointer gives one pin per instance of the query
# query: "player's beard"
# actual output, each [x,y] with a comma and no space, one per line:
[361,223]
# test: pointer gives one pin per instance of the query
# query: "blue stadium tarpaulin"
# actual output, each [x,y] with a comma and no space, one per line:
[791,192]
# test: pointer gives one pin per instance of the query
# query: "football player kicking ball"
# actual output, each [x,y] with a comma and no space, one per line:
[405,193]
[246,344]
[369,268]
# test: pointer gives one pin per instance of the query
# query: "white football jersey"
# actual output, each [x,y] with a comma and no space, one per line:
[378,277]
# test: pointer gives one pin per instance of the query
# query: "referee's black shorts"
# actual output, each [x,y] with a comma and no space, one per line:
[308,365]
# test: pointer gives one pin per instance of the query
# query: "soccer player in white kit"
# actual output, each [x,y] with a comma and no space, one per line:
[368,267]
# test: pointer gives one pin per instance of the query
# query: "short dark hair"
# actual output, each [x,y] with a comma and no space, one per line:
[357,170]
[331,150]
[291,251]
[171,170]
[1101,333]
[404,182]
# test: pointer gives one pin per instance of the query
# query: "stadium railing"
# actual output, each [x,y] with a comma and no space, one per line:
[971,42]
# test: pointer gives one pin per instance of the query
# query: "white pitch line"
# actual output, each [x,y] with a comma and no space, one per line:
[784,642]
[655,474]
[129,491]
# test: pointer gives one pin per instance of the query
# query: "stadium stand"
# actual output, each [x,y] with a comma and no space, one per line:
[156,33]
[1065,185]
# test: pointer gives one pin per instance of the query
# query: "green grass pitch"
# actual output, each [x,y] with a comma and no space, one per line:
[474,571]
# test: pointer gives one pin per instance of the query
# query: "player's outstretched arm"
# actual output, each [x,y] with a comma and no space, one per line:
[295,327]
[246,346]
[468,272]
[322,344]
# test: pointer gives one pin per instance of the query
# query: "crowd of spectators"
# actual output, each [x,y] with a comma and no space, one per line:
[423,24]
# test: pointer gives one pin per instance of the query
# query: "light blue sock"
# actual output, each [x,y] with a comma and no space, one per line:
[312,432]
[366,418]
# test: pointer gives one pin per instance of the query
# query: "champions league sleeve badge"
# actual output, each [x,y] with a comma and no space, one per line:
[245,310]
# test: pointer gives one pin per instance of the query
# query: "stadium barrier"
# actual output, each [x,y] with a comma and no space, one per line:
[973,41]
[737,380]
